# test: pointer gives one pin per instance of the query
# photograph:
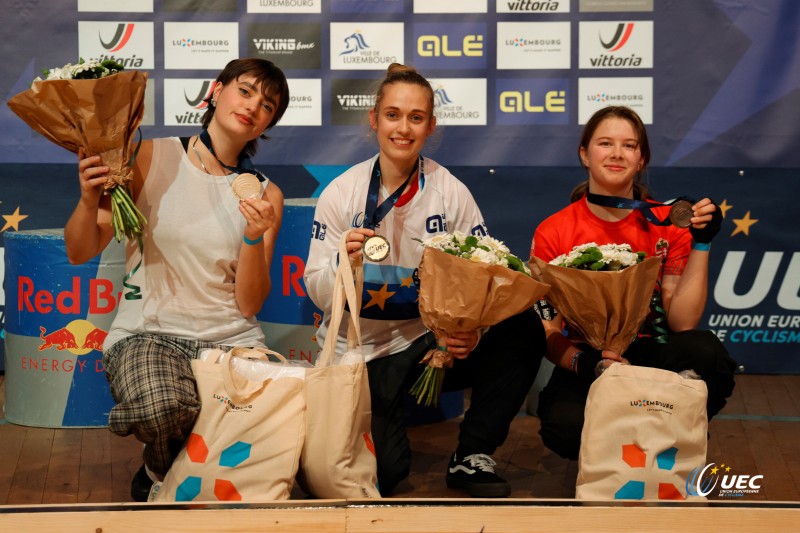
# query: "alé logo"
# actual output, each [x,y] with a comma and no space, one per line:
[703,480]
[200,100]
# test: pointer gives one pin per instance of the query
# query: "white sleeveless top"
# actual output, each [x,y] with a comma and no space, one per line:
[191,249]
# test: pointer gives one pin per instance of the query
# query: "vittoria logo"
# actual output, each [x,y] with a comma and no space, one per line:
[528,6]
[199,101]
[185,101]
[619,39]
[130,43]
[616,44]
[120,38]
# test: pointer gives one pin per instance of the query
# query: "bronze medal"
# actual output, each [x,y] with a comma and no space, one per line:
[376,248]
[680,214]
[246,186]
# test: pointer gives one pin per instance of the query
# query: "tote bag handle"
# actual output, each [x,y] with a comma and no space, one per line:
[239,388]
[346,288]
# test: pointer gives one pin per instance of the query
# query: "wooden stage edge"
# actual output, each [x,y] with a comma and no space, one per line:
[408,516]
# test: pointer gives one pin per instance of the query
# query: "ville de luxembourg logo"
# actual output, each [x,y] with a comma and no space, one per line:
[702,481]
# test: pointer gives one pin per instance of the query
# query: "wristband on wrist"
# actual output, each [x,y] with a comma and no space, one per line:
[251,242]
[701,246]
[573,361]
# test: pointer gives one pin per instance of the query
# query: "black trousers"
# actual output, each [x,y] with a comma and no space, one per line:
[562,401]
[500,372]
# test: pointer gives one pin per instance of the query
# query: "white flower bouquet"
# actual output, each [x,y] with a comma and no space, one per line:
[97,106]
[595,257]
[466,283]
[603,292]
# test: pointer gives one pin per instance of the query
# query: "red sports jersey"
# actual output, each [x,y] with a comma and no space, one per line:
[576,224]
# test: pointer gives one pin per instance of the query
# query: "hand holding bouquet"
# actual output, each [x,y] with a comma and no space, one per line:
[96,106]
[602,292]
[466,283]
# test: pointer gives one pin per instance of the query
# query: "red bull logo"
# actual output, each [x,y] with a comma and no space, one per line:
[31,299]
[79,337]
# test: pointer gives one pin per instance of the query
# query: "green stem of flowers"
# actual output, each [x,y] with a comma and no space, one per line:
[428,386]
[128,221]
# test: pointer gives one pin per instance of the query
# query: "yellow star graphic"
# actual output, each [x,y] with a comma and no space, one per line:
[407,282]
[13,220]
[724,207]
[379,297]
[714,470]
[728,469]
[743,224]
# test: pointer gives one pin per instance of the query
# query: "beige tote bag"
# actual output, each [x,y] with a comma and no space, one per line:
[338,459]
[645,429]
[246,442]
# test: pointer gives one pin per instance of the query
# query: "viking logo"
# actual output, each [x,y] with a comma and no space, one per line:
[621,37]
[201,100]
[120,39]
[354,43]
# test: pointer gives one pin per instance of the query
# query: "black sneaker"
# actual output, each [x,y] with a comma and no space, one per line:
[475,474]
[141,485]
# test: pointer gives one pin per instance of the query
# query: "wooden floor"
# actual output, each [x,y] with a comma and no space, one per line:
[757,433]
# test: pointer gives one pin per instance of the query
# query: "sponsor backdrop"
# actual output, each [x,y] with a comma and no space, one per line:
[717,82]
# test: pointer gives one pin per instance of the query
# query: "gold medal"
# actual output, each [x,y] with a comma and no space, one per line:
[680,214]
[375,248]
[246,186]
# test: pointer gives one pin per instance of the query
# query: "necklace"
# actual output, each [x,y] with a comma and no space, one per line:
[200,159]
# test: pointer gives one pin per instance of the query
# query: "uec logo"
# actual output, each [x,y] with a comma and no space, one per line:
[703,482]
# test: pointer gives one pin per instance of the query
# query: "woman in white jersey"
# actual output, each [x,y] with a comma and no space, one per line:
[403,196]
[203,271]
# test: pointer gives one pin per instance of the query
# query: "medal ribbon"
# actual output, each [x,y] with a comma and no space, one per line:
[374,213]
[642,206]
[244,165]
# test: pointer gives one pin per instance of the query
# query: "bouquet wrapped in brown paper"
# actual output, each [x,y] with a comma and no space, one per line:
[604,301]
[467,283]
[95,106]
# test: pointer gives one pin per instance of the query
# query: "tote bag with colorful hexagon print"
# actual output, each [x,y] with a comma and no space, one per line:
[248,437]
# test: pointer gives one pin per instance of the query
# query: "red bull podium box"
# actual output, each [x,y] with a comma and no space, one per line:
[57,317]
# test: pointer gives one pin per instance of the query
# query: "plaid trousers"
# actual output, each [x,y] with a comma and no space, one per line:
[151,379]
